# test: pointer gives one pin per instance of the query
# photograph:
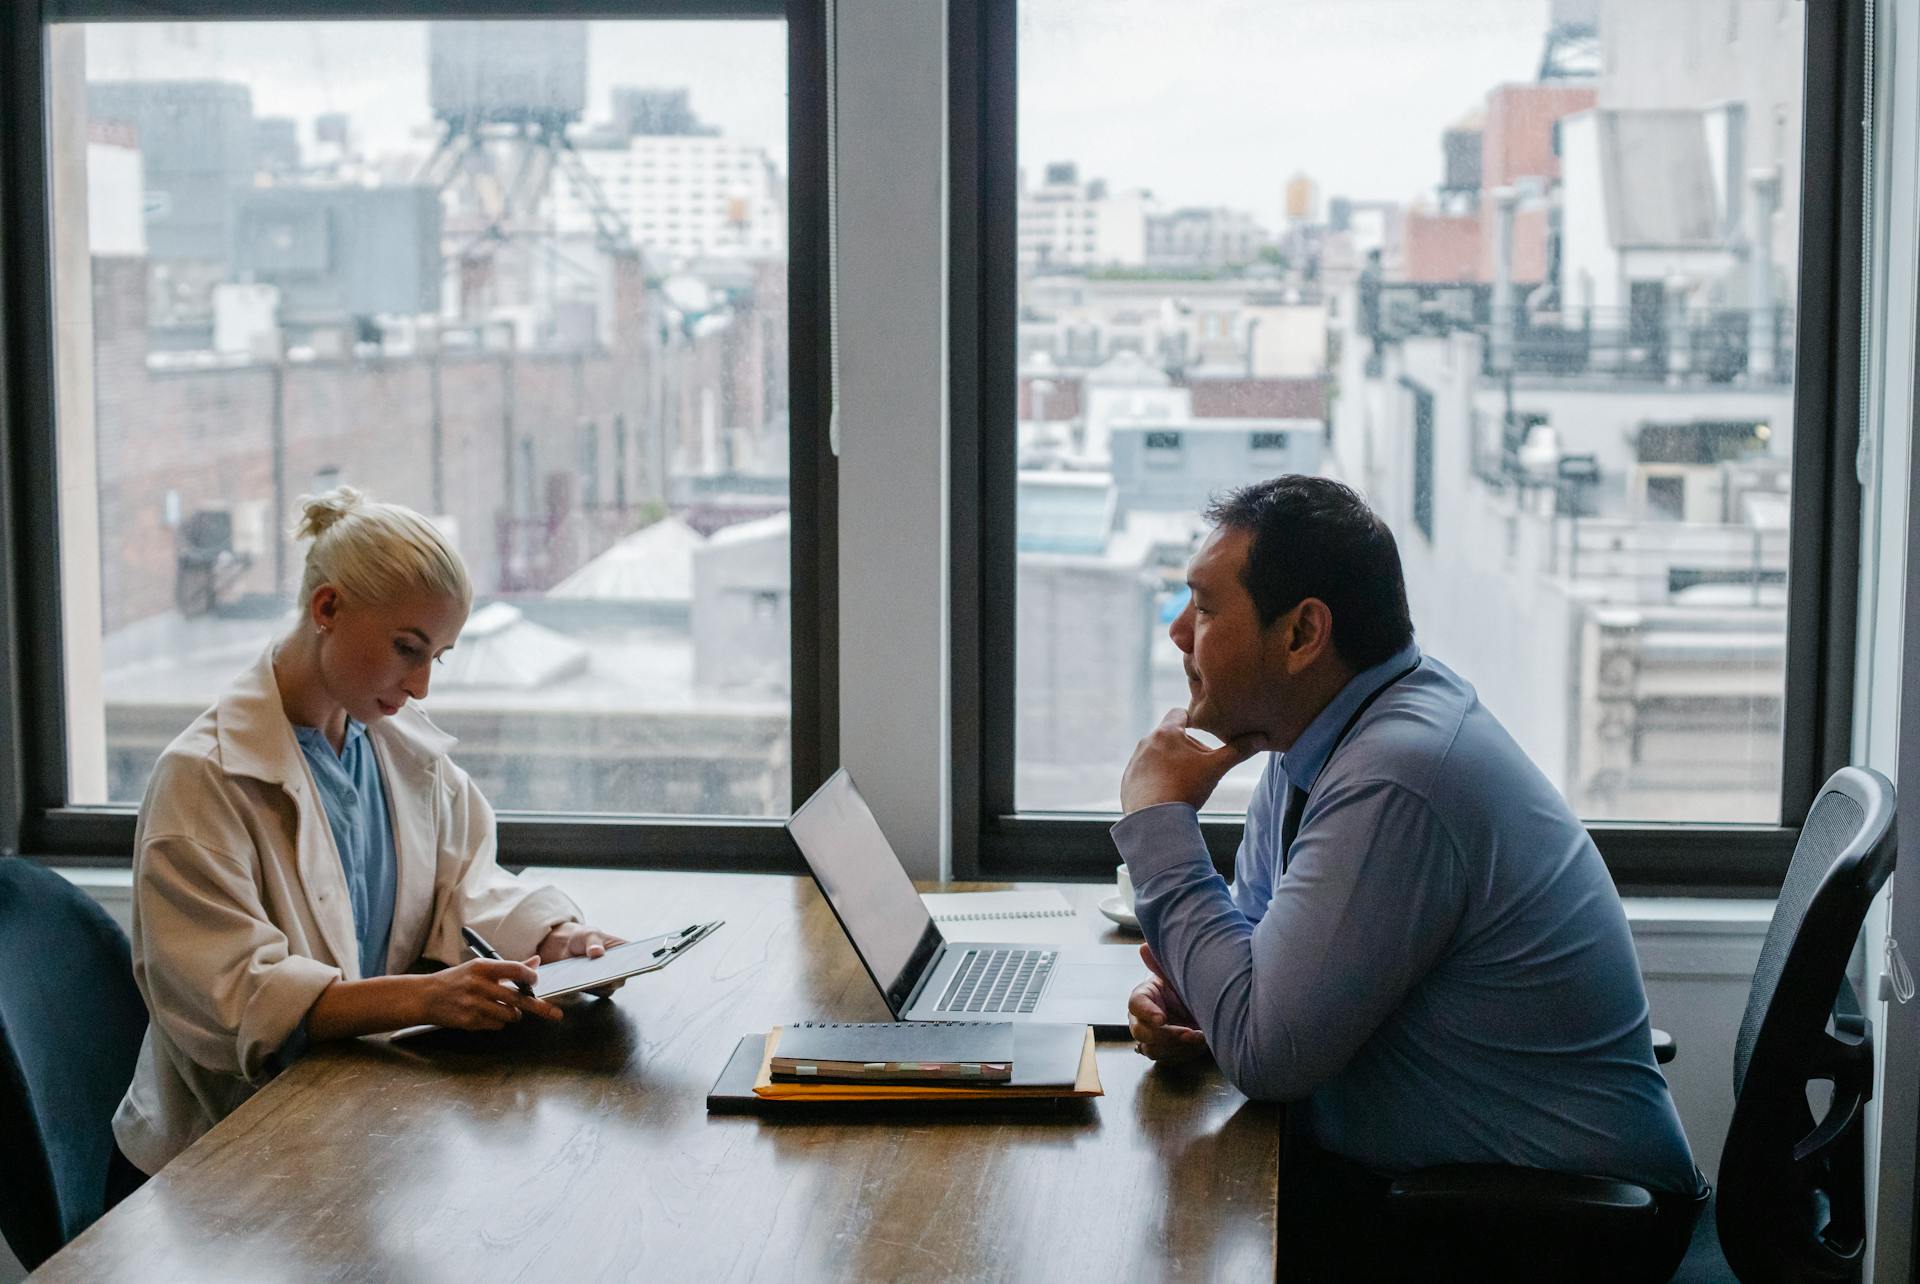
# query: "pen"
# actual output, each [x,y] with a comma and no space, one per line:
[679,940]
[478,944]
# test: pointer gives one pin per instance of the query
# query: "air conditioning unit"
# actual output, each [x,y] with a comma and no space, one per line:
[250,527]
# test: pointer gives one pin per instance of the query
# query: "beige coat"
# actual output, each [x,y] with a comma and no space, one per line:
[241,914]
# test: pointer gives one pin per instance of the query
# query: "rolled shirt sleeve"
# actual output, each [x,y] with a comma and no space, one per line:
[218,973]
[1372,894]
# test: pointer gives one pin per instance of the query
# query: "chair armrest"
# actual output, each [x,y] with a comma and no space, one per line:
[1664,1048]
[1494,1195]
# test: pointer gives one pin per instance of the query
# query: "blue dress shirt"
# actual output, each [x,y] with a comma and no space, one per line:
[355,801]
[1442,972]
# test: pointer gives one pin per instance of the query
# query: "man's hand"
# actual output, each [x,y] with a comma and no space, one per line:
[1162,1028]
[1169,765]
[577,940]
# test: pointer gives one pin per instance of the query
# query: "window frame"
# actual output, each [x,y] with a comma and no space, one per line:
[36,818]
[994,840]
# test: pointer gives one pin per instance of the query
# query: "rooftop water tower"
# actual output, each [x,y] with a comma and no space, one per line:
[1572,49]
[505,94]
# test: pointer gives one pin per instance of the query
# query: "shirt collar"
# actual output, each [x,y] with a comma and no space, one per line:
[314,738]
[252,727]
[1310,752]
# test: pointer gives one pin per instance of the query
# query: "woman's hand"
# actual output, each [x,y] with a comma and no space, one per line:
[480,995]
[577,940]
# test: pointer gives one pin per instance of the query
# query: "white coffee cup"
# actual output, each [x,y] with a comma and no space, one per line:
[1124,881]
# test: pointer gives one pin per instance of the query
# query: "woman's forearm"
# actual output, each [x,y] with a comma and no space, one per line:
[347,1009]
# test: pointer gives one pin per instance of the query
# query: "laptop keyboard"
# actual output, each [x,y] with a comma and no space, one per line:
[1008,980]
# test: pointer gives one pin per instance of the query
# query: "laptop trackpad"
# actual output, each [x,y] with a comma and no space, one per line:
[1096,981]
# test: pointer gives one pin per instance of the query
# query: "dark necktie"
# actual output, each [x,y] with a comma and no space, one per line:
[1290,824]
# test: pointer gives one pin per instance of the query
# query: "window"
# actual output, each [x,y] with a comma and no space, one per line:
[1417,337]
[369,312]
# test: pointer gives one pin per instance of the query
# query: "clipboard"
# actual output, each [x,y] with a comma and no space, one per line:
[635,958]
[568,976]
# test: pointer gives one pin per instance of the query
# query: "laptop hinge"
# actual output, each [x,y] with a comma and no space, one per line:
[927,974]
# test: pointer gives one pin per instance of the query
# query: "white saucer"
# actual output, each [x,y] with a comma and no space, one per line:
[1114,908]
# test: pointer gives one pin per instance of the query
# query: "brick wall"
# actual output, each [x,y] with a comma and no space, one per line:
[206,436]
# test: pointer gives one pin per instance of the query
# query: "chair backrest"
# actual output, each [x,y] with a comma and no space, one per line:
[1792,1187]
[71,1021]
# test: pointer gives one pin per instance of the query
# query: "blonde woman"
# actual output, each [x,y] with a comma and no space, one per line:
[307,841]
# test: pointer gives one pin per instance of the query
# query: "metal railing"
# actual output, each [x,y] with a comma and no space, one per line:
[1658,562]
[1717,345]
[1660,343]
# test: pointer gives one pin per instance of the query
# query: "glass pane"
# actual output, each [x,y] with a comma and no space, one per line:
[1524,273]
[528,278]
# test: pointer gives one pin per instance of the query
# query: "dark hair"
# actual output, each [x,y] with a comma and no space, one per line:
[1313,537]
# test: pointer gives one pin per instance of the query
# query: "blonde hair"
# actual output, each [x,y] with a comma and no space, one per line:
[375,552]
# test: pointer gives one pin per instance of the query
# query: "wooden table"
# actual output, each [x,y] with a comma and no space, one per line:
[583,1151]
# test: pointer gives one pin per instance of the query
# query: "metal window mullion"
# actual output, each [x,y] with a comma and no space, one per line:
[395,10]
[1721,860]
[1823,565]
[812,491]
[35,645]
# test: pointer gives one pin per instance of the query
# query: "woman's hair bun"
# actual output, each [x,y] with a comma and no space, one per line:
[318,512]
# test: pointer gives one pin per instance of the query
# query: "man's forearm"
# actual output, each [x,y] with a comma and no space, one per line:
[1205,943]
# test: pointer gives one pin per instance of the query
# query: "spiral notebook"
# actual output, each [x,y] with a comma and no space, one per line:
[1019,918]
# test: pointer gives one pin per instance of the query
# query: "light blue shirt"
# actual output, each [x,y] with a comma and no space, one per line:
[355,801]
[1443,973]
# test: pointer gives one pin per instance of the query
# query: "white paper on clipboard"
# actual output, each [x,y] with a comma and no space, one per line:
[632,959]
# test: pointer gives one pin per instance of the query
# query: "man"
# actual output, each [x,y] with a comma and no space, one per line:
[1421,946]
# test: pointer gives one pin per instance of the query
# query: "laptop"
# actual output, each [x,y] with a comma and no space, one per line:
[922,975]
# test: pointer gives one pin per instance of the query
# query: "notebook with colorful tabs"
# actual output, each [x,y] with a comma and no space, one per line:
[895,1052]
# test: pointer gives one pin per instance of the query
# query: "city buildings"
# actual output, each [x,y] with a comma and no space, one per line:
[1202,239]
[1066,223]
[681,195]
[562,338]
[1566,386]
[1582,441]
[1563,375]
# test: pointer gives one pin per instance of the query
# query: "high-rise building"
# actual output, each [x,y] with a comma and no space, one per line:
[1065,223]
[1203,238]
[643,110]
[683,196]
[197,147]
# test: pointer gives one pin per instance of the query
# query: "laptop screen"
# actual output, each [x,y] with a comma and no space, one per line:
[863,880]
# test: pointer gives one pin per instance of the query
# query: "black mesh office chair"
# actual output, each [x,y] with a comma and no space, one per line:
[1791,1188]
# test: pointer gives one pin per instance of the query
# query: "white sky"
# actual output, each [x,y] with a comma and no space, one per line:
[1215,103]
[376,72]
[1218,104]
